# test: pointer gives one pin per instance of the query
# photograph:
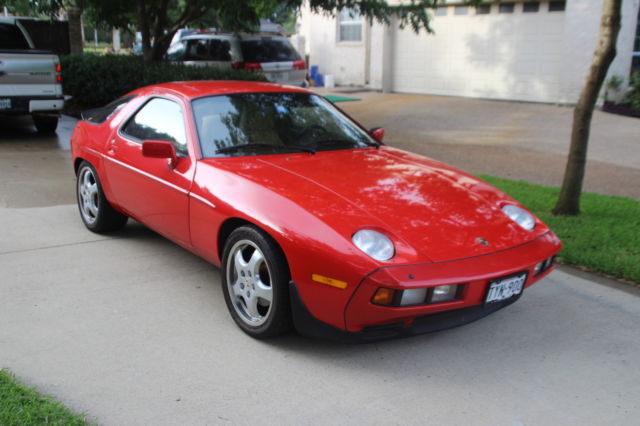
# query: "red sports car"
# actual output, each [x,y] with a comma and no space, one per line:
[312,220]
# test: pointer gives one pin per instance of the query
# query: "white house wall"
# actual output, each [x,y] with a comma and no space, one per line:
[504,56]
[541,56]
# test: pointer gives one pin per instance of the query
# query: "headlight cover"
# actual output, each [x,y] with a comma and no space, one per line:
[375,244]
[520,216]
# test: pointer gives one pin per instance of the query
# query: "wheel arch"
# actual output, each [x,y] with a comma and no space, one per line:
[233,223]
[77,162]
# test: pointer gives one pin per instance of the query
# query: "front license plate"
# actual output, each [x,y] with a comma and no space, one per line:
[5,103]
[505,288]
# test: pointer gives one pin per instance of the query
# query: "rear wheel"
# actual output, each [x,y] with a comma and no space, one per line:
[255,280]
[96,212]
[45,123]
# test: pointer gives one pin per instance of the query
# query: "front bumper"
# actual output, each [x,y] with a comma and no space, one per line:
[307,325]
[365,321]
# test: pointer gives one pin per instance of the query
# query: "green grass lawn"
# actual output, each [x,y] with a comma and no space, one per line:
[605,237]
[21,405]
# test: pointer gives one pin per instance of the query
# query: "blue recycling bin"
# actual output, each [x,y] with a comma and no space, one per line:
[313,72]
[319,80]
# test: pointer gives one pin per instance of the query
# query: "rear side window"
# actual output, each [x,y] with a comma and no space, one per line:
[160,119]
[100,115]
[11,38]
[268,50]
[207,50]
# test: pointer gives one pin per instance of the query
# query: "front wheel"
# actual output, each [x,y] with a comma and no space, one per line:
[255,280]
[96,212]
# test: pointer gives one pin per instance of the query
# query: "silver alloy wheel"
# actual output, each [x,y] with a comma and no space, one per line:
[249,283]
[88,195]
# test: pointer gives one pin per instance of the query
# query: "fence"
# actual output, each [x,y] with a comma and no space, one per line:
[49,35]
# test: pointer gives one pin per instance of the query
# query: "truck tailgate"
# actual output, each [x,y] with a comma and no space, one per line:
[28,73]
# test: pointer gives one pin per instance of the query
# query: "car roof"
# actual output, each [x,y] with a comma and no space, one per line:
[200,88]
[241,36]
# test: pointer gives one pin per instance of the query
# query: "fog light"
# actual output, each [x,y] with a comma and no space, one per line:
[384,296]
[549,262]
[444,293]
[539,268]
[415,296]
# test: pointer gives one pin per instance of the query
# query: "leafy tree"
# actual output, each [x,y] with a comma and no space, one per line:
[158,20]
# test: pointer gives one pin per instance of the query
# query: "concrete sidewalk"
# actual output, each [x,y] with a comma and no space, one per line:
[516,140]
[133,330]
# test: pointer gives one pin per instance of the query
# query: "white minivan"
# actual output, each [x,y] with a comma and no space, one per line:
[268,53]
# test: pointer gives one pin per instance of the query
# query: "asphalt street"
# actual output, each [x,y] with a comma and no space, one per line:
[132,329]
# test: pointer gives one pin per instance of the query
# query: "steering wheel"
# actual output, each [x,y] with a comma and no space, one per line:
[310,129]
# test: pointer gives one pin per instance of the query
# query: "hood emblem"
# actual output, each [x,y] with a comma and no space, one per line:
[482,241]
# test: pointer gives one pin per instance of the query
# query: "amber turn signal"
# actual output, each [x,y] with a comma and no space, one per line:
[384,296]
[328,281]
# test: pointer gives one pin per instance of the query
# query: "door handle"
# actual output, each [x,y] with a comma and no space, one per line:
[112,147]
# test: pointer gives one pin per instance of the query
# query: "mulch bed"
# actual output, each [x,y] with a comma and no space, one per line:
[620,109]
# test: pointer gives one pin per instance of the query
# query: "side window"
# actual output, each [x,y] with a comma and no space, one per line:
[160,119]
[197,50]
[220,50]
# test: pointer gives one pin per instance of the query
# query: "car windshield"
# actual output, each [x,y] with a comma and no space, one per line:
[273,123]
[268,50]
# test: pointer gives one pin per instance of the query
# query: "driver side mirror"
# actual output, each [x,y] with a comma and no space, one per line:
[160,149]
[377,133]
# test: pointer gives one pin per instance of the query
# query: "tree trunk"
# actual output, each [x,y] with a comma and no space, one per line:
[160,47]
[569,200]
[76,42]
[143,21]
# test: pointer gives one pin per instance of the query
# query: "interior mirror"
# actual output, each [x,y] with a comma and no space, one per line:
[160,149]
[377,133]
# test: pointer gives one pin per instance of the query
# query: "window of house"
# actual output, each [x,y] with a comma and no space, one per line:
[483,9]
[461,10]
[350,25]
[160,119]
[531,6]
[557,6]
[506,7]
[442,11]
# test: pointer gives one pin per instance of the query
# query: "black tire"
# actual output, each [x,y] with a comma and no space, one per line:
[45,123]
[95,211]
[241,290]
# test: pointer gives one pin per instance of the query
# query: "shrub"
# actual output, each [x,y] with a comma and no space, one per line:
[633,96]
[94,80]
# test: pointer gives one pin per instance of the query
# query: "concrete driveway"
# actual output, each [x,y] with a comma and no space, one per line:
[515,140]
[132,329]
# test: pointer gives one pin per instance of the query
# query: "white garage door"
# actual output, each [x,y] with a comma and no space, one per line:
[514,55]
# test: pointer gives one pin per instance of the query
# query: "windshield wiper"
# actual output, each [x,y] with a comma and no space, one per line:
[235,148]
[337,142]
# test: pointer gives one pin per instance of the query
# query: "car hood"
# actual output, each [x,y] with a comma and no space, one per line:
[442,213]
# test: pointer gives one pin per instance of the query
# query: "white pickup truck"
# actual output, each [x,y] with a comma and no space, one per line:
[30,79]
